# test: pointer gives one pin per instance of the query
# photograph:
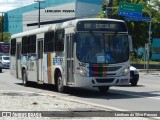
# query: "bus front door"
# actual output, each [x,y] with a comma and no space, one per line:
[40,62]
[69,59]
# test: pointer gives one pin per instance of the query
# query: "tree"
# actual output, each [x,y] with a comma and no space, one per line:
[6,35]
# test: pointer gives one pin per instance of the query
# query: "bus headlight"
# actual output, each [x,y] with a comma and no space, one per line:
[82,72]
[124,72]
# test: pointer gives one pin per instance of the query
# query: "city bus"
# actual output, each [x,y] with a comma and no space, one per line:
[88,52]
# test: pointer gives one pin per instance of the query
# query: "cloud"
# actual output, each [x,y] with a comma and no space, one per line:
[11,1]
[5,8]
[6,5]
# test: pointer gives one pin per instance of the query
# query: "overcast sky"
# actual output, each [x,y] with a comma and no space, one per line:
[6,5]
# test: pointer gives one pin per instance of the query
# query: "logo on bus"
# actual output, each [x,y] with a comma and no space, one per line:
[57,60]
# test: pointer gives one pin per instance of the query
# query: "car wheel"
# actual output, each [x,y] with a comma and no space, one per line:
[103,89]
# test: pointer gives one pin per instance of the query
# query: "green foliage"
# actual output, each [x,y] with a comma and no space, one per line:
[132,57]
[101,15]
[6,35]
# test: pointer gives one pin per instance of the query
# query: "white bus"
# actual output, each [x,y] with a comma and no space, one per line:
[90,52]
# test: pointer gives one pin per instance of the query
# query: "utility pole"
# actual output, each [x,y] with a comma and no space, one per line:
[39,11]
[149,39]
[109,11]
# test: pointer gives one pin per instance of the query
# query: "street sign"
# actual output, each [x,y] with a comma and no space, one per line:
[146,19]
[125,13]
[124,6]
[132,18]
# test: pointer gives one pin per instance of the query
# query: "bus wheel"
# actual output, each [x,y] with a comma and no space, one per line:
[59,83]
[25,81]
[103,89]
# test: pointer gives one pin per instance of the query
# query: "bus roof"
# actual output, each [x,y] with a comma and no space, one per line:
[60,25]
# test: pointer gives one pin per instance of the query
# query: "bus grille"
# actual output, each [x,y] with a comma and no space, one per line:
[109,80]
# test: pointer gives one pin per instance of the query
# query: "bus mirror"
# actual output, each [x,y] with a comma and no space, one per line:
[130,43]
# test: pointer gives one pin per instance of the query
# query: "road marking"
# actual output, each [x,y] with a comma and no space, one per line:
[154,98]
[140,96]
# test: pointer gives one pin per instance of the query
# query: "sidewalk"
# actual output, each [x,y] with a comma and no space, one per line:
[150,71]
[22,106]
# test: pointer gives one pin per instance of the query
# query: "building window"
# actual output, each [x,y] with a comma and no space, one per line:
[13,47]
[49,42]
[32,44]
[59,40]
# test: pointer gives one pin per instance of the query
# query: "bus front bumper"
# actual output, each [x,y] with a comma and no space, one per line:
[81,81]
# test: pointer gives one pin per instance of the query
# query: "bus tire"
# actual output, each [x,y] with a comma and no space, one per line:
[24,78]
[59,83]
[103,89]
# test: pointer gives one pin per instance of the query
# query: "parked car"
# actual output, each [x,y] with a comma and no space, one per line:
[134,76]
[5,61]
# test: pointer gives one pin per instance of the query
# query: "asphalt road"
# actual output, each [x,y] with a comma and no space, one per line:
[143,97]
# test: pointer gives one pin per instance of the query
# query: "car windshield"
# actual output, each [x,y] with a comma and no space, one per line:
[102,48]
[6,58]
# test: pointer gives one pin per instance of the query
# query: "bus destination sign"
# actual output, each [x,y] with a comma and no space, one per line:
[101,26]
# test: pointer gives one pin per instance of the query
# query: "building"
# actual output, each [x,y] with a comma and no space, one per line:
[155,49]
[51,11]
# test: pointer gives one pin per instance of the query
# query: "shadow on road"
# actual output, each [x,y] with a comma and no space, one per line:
[94,92]
[132,86]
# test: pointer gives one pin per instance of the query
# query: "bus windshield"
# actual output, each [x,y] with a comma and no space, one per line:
[107,48]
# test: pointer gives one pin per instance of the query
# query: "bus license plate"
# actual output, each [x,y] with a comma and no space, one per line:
[124,81]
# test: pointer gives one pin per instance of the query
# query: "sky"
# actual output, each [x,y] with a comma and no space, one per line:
[6,5]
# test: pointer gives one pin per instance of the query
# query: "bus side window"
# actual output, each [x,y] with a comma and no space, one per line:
[24,45]
[49,43]
[59,40]
[32,44]
[13,47]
